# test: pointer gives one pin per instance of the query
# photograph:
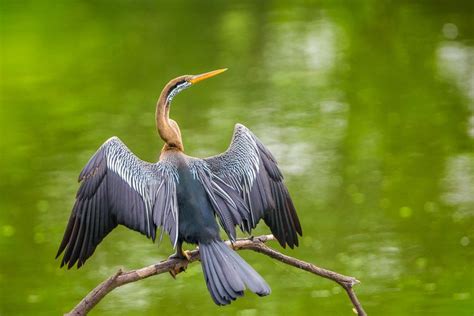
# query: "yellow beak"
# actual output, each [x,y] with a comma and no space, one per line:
[207,75]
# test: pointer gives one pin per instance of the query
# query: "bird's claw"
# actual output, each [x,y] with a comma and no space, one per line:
[173,273]
[178,269]
[181,255]
[187,255]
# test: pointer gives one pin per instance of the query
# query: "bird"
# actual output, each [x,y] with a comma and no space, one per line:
[186,197]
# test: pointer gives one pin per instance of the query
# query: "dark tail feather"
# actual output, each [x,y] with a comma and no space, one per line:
[227,274]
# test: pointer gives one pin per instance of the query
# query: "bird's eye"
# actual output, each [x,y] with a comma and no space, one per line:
[174,87]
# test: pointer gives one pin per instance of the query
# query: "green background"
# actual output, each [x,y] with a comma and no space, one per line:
[367,105]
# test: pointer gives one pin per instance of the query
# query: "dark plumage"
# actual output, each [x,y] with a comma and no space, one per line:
[183,196]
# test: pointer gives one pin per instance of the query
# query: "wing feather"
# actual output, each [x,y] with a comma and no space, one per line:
[118,188]
[249,168]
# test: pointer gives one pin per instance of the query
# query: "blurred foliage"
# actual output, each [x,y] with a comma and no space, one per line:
[368,106]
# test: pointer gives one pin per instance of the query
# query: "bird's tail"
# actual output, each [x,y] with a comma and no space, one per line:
[227,274]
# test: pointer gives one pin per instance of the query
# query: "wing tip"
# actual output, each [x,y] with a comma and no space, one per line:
[71,263]
[112,139]
[60,251]
[239,126]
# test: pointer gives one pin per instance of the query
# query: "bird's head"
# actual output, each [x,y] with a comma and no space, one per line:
[167,128]
[177,85]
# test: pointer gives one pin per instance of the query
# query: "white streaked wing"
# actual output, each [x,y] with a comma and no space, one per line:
[118,188]
[249,168]
[135,172]
[225,200]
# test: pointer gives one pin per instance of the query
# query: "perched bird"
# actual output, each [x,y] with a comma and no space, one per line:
[183,196]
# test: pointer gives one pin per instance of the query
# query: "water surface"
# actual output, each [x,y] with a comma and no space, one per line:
[368,106]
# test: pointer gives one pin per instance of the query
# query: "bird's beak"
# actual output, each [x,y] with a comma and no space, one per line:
[207,75]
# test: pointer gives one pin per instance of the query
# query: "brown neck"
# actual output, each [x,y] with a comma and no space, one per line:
[167,128]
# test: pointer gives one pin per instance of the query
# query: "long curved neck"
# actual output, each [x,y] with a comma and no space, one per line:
[167,128]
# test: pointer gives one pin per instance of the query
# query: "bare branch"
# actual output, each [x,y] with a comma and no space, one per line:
[346,282]
[175,266]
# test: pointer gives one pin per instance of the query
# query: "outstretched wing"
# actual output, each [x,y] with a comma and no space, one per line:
[248,167]
[118,188]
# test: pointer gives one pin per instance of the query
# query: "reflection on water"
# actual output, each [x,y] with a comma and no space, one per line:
[367,106]
[456,64]
[459,183]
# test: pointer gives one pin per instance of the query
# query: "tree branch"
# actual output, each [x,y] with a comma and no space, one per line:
[175,266]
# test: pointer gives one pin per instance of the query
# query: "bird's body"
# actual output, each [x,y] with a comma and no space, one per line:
[197,222]
[184,196]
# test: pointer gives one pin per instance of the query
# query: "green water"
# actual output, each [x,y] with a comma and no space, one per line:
[368,106]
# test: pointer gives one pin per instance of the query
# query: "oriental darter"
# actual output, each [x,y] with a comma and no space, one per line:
[184,196]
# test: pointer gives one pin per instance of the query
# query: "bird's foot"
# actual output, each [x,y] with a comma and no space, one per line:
[187,255]
[177,269]
[181,255]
